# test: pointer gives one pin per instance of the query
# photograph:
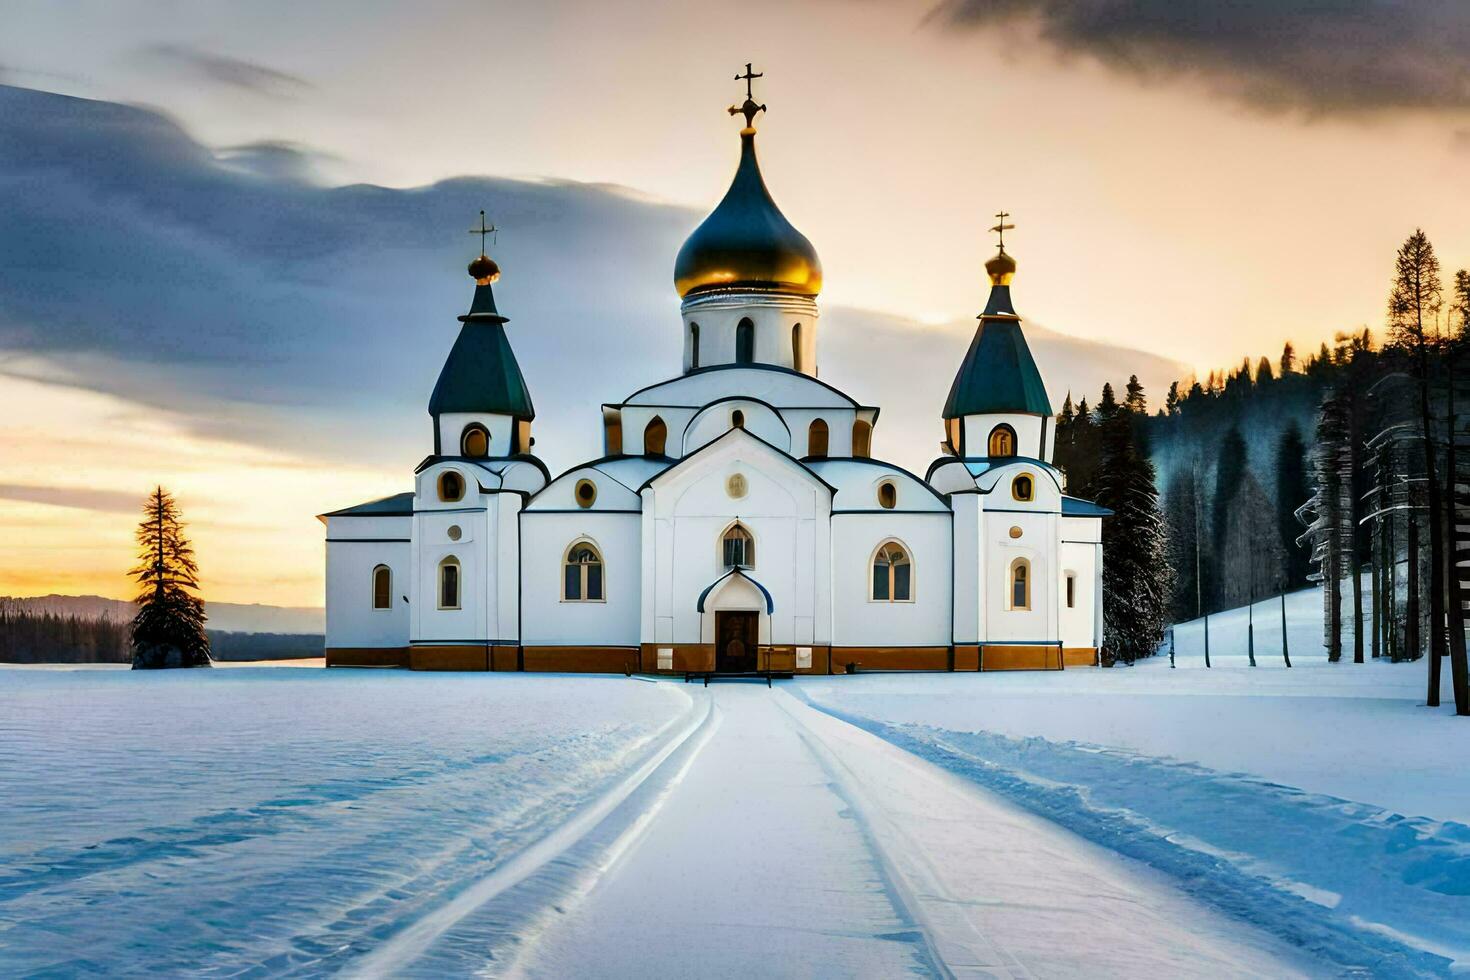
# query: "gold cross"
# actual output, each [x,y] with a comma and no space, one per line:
[1001,228]
[482,231]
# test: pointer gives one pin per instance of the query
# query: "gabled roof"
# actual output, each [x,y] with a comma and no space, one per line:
[709,447]
[398,505]
[481,375]
[770,603]
[998,373]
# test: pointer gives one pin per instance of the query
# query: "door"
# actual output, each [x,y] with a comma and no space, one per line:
[736,636]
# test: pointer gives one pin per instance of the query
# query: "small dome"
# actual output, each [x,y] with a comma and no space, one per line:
[746,242]
[1001,268]
[484,270]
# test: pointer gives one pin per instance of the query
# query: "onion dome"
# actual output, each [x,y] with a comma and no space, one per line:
[484,270]
[998,374]
[746,242]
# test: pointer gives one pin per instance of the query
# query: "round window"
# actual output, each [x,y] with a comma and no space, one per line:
[586,493]
[454,532]
[887,496]
[1015,532]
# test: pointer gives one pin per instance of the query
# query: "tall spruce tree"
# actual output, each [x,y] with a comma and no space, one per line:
[168,630]
[1291,492]
[1229,471]
[1137,574]
[1413,303]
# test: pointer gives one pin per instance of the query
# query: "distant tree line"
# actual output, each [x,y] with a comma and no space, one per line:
[30,637]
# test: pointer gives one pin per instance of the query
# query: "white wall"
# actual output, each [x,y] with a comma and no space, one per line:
[1028,435]
[773,315]
[1081,552]
[548,621]
[355,546]
[857,620]
[760,420]
[452,425]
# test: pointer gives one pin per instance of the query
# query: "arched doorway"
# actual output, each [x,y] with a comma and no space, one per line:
[737,641]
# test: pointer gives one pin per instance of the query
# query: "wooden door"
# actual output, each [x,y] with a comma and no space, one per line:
[736,637]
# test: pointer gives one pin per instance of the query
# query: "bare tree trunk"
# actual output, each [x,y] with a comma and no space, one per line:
[1436,536]
[1375,536]
[1458,672]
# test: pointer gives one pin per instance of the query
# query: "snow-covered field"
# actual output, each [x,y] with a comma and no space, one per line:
[1140,822]
[270,821]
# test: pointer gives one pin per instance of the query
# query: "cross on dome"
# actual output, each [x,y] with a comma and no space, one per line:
[749,107]
[1001,228]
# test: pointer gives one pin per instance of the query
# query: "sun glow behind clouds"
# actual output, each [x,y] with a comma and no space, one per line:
[250,511]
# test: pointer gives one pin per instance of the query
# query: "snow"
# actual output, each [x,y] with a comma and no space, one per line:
[1325,802]
[1135,822]
[184,822]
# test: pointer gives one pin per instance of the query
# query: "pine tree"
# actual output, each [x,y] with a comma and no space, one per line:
[1137,574]
[168,630]
[1263,371]
[1229,471]
[1171,401]
[1414,301]
[1291,492]
[1460,308]
[1288,359]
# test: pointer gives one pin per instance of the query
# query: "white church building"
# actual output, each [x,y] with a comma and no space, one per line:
[737,521]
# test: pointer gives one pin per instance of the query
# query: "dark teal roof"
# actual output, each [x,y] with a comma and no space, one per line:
[398,505]
[1077,507]
[481,375]
[998,374]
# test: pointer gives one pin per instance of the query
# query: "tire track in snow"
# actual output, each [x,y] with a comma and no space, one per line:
[608,826]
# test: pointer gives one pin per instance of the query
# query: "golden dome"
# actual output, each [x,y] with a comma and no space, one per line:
[1001,268]
[746,242]
[484,270]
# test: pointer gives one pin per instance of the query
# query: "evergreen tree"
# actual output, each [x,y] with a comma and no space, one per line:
[1414,301]
[1229,471]
[1251,551]
[168,630]
[1171,401]
[1291,492]
[1263,371]
[1188,551]
[1288,359]
[1137,575]
[1460,308]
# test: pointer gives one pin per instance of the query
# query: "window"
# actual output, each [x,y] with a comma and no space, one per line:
[737,419]
[449,583]
[887,495]
[1023,488]
[1020,584]
[796,347]
[693,346]
[614,436]
[582,574]
[954,431]
[1071,590]
[745,342]
[1002,441]
[474,441]
[382,587]
[521,441]
[862,439]
[738,548]
[816,439]
[893,579]
[586,493]
[655,435]
[451,486]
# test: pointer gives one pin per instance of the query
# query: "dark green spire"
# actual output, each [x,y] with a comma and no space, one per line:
[481,375]
[998,374]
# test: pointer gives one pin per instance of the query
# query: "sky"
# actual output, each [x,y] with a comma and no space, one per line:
[234,268]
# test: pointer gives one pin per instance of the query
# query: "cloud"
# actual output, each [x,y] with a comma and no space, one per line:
[274,159]
[111,501]
[224,70]
[1321,56]
[263,309]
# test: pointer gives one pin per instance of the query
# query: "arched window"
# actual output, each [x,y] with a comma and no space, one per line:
[581,579]
[693,345]
[816,438]
[862,439]
[474,441]
[796,347]
[887,495]
[1023,488]
[745,342]
[1002,441]
[737,419]
[893,577]
[655,435]
[737,548]
[382,587]
[1020,584]
[451,486]
[449,583]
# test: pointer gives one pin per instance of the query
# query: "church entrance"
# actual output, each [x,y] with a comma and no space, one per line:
[736,637]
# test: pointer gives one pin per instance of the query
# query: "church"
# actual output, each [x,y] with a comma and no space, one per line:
[737,521]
